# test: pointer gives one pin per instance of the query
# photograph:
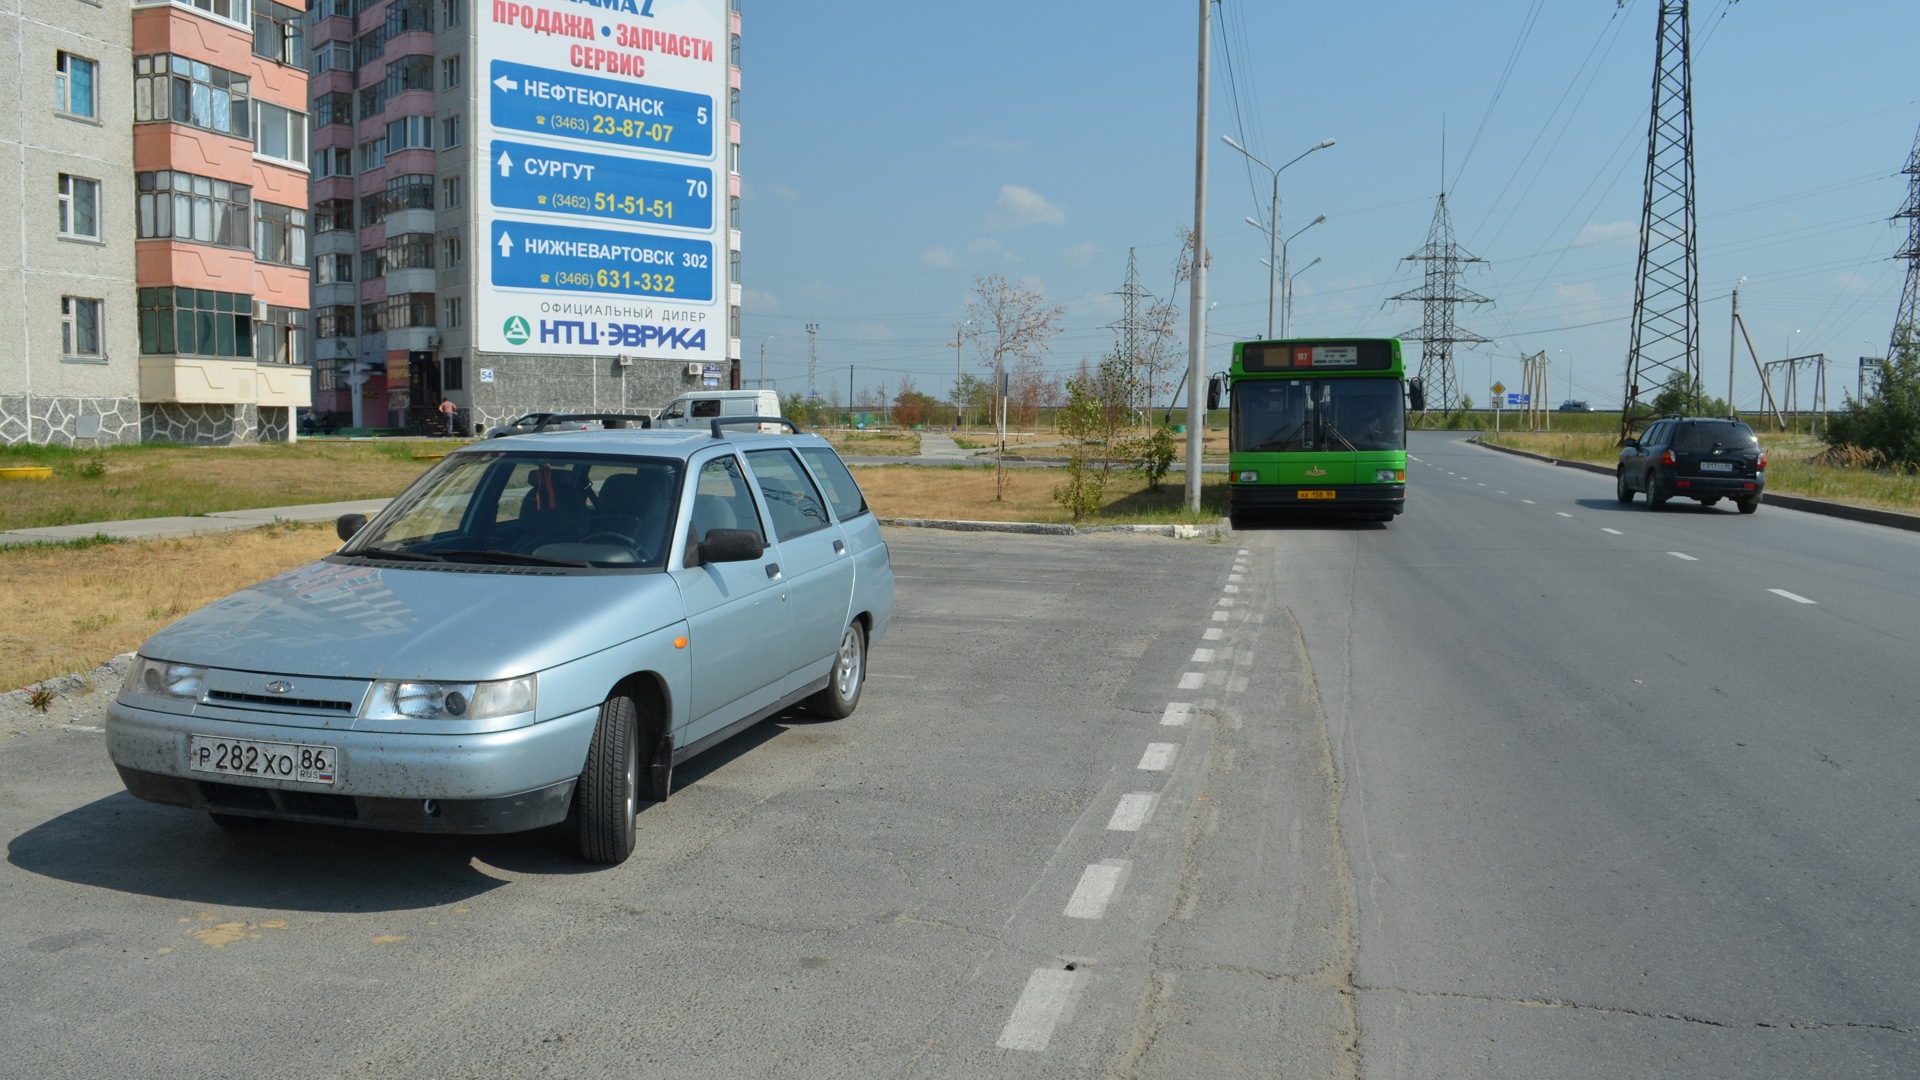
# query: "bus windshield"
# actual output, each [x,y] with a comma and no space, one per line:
[1290,415]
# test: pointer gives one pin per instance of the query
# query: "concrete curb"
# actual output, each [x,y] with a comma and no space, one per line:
[1892,519]
[1215,530]
[70,694]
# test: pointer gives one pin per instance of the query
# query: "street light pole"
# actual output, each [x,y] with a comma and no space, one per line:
[1286,305]
[1286,313]
[1273,214]
[763,361]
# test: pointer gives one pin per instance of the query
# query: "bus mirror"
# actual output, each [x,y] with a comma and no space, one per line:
[1213,392]
[1416,395]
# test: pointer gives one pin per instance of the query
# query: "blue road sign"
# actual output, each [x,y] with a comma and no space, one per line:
[569,181]
[1515,397]
[561,258]
[566,105]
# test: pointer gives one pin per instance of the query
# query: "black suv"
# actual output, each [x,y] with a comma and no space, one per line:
[1694,458]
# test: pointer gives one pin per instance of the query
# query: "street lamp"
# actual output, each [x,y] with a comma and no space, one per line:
[763,360]
[1286,316]
[1286,304]
[1273,211]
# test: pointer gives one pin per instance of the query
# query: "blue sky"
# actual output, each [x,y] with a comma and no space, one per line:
[893,152]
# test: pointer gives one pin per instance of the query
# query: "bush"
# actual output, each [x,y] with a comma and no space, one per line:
[1887,423]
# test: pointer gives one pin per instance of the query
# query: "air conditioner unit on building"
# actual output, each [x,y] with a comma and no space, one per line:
[260,311]
[693,369]
[624,360]
[433,339]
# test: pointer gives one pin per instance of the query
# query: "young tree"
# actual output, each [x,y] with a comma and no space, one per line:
[973,396]
[1084,422]
[1684,394]
[1016,326]
[911,408]
[1887,423]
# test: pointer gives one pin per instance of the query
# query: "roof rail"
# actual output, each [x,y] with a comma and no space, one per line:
[609,420]
[733,421]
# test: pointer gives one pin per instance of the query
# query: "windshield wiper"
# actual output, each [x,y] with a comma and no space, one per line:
[391,553]
[512,557]
[1289,442]
[1335,432]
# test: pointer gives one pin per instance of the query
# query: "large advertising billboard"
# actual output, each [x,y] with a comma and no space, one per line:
[600,177]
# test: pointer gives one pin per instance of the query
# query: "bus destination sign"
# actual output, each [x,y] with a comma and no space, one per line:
[1280,356]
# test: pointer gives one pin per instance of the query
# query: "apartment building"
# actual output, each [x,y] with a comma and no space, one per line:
[157,285]
[414,299]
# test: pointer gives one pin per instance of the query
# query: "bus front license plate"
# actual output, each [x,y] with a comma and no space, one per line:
[1315,494]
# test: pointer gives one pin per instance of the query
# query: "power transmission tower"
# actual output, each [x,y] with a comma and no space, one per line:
[813,363]
[1129,327]
[1438,296]
[1906,321]
[1666,283]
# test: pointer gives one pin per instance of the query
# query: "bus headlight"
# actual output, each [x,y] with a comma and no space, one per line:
[1390,476]
[1247,477]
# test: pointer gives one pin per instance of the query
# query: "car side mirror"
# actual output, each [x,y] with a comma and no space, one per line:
[1631,443]
[731,545]
[1416,395]
[348,524]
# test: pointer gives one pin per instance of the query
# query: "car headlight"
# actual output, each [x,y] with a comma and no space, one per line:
[406,700]
[157,678]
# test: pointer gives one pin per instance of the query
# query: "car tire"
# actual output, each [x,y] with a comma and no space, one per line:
[1656,495]
[1620,489]
[841,695]
[607,797]
[1748,506]
[236,822]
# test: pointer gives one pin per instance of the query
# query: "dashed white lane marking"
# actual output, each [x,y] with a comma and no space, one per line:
[1225,601]
[1235,579]
[1202,656]
[1192,680]
[1037,1011]
[1214,633]
[1244,551]
[1479,485]
[1158,757]
[1563,513]
[1219,616]
[1133,811]
[1682,555]
[1499,492]
[1177,714]
[1529,502]
[1237,684]
[1096,888]
[1615,532]
[1231,589]
[1792,596]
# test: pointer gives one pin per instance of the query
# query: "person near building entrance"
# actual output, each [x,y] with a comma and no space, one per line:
[446,413]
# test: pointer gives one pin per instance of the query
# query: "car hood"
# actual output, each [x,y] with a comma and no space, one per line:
[348,619]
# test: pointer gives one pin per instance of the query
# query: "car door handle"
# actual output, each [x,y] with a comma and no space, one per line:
[773,569]
[839,548]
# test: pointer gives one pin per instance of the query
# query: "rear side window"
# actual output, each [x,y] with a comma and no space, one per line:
[792,500]
[842,492]
[1706,434]
[703,408]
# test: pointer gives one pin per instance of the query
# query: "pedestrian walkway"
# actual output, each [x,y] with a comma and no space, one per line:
[940,447]
[167,528]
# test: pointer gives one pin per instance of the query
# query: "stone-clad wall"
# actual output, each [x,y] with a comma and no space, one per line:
[524,384]
[201,425]
[58,421]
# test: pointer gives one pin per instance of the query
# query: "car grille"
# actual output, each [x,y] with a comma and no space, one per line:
[229,697]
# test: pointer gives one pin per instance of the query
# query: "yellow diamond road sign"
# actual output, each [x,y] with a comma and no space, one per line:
[1499,388]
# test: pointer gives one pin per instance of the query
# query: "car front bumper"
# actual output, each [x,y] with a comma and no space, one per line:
[1347,499]
[504,781]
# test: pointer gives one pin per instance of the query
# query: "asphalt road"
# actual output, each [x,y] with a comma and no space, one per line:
[1491,791]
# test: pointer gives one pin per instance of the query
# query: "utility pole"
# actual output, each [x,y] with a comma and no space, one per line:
[1906,321]
[849,395]
[813,362]
[1439,294]
[1197,284]
[762,385]
[1733,349]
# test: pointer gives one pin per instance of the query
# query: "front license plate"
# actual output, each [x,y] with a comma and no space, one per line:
[300,762]
[1314,494]
[1716,466]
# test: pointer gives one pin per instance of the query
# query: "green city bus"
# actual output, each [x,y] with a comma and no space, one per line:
[1317,425]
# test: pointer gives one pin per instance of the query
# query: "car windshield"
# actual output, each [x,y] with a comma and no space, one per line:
[1279,415]
[524,508]
[1706,434]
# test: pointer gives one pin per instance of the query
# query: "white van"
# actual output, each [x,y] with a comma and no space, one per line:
[699,408]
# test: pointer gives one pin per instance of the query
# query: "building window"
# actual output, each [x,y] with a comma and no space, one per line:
[373,264]
[409,251]
[334,9]
[333,161]
[279,34]
[334,108]
[282,134]
[80,327]
[195,322]
[450,132]
[73,84]
[372,100]
[333,215]
[733,211]
[450,192]
[453,374]
[332,269]
[333,56]
[733,321]
[279,234]
[178,90]
[450,71]
[79,207]
[333,322]
[453,312]
[182,206]
[413,191]
[281,337]
[370,46]
[450,12]
[230,10]
[373,155]
[408,73]
[410,132]
[371,321]
[408,16]
[450,249]
[733,158]
[409,309]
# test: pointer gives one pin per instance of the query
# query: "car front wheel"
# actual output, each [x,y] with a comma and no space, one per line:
[1620,489]
[842,693]
[608,794]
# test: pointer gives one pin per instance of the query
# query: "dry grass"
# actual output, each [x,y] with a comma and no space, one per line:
[72,608]
[887,443]
[966,493]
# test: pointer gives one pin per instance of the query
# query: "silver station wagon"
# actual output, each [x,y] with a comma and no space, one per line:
[535,631]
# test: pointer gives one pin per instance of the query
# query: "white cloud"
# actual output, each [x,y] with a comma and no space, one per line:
[1080,256]
[756,302]
[1608,232]
[940,257]
[1019,207]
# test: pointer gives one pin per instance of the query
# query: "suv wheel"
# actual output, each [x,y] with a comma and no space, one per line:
[1656,495]
[1748,505]
[1620,489]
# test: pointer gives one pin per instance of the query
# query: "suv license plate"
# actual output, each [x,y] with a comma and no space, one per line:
[1716,466]
[300,762]
[1315,494]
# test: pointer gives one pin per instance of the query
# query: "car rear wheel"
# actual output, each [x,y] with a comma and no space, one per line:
[842,693]
[1620,489]
[1748,505]
[608,794]
[1656,495]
